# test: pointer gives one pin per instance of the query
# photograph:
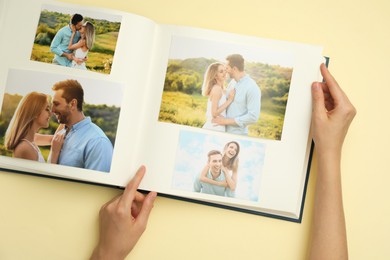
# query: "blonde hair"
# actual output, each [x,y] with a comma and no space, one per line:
[89,34]
[29,108]
[209,78]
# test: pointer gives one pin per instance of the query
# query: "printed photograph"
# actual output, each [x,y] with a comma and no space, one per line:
[218,166]
[57,119]
[226,87]
[80,39]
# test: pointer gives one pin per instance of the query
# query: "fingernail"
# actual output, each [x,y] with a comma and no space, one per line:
[315,86]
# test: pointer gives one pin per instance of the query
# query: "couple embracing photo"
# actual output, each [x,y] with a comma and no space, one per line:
[226,87]
[76,38]
[72,43]
[77,141]
[233,109]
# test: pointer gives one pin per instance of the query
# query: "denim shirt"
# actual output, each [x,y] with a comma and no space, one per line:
[208,188]
[60,43]
[245,108]
[86,146]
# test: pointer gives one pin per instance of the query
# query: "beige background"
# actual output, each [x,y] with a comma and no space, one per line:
[50,219]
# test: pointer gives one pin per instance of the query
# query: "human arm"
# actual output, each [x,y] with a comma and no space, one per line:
[230,180]
[203,178]
[332,115]
[252,113]
[45,140]
[216,94]
[123,220]
[73,46]
[55,45]
[42,139]
[56,145]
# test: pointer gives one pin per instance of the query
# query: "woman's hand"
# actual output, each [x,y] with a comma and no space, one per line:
[332,114]
[57,142]
[123,220]
[56,145]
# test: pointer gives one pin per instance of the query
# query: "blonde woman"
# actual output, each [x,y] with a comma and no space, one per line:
[213,88]
[82,47]
[32,114]
[229,169]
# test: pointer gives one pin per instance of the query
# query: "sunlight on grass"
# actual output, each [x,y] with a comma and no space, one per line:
[190,110]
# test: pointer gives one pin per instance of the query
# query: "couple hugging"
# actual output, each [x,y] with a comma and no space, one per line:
[233,109]
[77,142]
[219,176]
[72,43]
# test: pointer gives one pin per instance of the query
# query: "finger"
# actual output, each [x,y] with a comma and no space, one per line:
[131,188]
[113,200]
[334,88]
[137,204]
[147,206]
[318,99]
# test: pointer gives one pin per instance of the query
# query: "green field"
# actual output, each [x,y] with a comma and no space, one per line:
[185,109]
[99,62]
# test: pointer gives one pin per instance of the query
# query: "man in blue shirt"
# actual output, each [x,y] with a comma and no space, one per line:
[215,173]
[86,145]
[59,46]
[245,108]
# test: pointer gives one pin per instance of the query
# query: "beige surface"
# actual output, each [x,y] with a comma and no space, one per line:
[50,219]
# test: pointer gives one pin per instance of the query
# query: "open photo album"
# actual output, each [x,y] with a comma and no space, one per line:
[90,94]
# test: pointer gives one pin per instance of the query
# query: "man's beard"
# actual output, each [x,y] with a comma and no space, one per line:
[62,118]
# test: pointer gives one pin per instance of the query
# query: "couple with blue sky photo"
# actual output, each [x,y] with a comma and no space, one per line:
[218,165]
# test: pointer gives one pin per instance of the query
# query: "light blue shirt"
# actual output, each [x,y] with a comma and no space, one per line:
[86,146]
[208,188]
[60,44]
[245,108]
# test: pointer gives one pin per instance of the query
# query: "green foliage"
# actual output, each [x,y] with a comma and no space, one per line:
[106,117]
[185,109]
[99,62]
[187,76]
[183,104]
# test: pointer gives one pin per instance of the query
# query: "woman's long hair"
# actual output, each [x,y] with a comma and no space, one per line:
[209,78]
[29,108]
[233,162]
[89,34]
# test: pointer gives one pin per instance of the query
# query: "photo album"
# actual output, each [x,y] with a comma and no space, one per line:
[89,94]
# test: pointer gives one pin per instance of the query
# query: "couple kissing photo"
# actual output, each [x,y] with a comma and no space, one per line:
[45,118]
[226,87]
[79,39]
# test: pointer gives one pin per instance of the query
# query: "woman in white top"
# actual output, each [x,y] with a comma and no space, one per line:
[229,169]
[82,47]
[213,87]
[32,114]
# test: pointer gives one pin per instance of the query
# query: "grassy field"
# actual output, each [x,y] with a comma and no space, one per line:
[97,61]
[183,109]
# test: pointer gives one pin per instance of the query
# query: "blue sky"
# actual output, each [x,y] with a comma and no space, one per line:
[191,157]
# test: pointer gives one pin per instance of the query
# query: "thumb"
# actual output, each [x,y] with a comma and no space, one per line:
[147,206]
